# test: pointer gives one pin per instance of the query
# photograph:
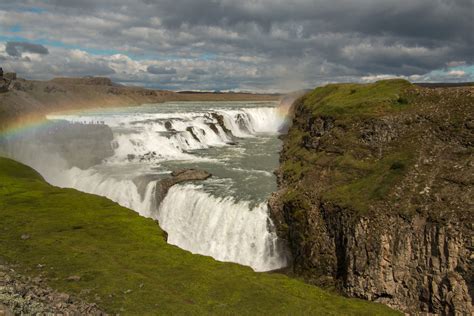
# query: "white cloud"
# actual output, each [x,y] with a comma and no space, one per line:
[457,73]
[455,63]
[373,78]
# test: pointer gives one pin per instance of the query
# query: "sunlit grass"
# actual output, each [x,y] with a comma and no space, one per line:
[356,99]
[127,267]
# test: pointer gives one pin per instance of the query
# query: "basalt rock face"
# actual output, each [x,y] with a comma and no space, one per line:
[376,194]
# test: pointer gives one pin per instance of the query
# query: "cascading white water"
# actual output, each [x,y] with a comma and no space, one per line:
[122,191]
[138,136]
[208,218]
[221,227]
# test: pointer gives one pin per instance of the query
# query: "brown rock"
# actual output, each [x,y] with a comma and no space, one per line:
[179,176]
[73,278]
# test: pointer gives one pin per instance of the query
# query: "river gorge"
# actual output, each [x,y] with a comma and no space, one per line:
[122,153]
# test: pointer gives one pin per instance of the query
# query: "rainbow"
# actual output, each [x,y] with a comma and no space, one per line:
[23,124]
[33,121]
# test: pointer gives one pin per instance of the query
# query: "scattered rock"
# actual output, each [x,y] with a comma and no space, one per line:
[22,295]
[73,278]
[25,237]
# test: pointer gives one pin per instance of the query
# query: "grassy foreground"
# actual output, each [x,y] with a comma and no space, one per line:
[125,264]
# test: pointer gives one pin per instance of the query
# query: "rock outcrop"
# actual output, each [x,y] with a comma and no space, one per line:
[376,194]
[179,176]
[220,121]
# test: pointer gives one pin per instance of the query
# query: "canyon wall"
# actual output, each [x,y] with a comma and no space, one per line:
[376,194]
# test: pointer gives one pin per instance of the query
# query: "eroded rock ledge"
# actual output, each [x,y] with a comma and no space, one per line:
[179,176]
[376,192]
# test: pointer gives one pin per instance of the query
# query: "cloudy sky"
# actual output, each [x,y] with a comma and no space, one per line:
[256,45]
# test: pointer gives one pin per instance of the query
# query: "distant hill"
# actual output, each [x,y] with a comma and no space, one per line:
[22,98]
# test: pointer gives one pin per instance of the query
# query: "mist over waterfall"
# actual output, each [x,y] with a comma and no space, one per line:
[123,155]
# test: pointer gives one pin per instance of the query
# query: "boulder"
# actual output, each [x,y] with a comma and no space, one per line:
[179,176]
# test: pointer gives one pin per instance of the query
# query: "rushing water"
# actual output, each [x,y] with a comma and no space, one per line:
[226,216]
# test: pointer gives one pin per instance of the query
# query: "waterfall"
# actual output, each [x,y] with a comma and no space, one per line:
[123,191]
[172,136]
[197,220]
[221,227]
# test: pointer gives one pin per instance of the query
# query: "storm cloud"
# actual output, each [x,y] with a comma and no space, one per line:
[161,70]
[248,44]
[16,49]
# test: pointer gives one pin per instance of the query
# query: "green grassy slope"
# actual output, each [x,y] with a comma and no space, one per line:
[125,264]
[353,100]
[358,176]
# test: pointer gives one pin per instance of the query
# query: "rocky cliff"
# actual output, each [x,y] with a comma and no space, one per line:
[376,193]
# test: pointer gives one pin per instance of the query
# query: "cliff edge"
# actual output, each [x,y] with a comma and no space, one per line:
[376,193]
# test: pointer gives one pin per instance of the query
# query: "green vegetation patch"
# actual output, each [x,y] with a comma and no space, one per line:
[369,180]
[355,178]
[359,99]
[125,265]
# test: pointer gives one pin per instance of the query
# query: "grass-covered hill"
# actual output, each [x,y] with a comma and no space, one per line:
[376,185]
[125,265]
